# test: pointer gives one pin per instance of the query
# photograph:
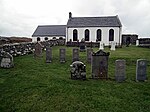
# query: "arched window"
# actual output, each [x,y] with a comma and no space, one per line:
[99,35]
[38,39]
[46,38]
[75,35]
[111,35]
[87,35]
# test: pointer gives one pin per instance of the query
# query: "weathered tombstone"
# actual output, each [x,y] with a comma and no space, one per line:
[101,46]
[120,70]
[75,56]
[89,55]
[82,46]
[48,54]
[7,60]
[62,53]
[113,45]
[38,50]
[141,70]
[78,70]
[100,65]
[137,42]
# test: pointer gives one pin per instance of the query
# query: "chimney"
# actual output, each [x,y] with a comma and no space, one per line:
[70,15]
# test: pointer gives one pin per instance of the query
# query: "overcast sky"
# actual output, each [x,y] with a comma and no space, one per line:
[21,17]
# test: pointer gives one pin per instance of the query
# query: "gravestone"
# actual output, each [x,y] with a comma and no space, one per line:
[75,56]
[113,45]
[137,42]
[100,65]
[141,70]
[101,46]
[7,60]
[38,50]
[62,53]
[82,46]
[89,55]
[120,70]
[78,70]
[48,54]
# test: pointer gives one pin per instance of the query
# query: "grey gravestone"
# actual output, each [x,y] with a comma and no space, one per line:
[113,46]
[38,50]
[62,53]
[100,65]
[89,55]
[82,46]
[78,70]
[101,46]
[75,56]
[141,70]
[7,60]
[120,70]
[48,54]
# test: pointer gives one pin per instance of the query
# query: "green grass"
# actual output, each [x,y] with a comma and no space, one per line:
[33,85]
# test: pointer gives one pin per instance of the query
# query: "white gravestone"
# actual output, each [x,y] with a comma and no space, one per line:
[137,42]
[101,46]
[113,46]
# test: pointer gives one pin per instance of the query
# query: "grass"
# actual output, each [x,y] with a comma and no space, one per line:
[33,85]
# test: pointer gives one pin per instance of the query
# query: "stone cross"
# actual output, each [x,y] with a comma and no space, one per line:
[141,74]
[101,46]
[89,55]
[120,70]
[75,56]
[62,53]
[48,54]
[113,45]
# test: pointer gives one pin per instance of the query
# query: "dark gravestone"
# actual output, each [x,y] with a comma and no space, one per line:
[100,65]
[141,70]
[78,70]
[75,55]
[7,60]
[89,55]
[82,46]
[48,54]
[62,53]
[120,70]
[38,50]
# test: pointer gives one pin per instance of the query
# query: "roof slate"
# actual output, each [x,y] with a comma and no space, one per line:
[109,21]
[50,30]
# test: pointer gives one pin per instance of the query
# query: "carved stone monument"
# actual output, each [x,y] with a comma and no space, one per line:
[101,46]
[100,65]
[141,67]
[75,56]
[120,70]
[38,50]
[113,46]
[137,42]
[82,46]
[7,60]
[48,54]
[62,53]
[78,70]
[89,55]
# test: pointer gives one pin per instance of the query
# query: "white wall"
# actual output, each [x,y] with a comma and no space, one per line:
[34,39]
[93,33]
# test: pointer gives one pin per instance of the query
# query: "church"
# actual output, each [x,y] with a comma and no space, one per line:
[92,29]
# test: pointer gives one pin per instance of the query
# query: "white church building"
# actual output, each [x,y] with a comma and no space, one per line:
[91,29]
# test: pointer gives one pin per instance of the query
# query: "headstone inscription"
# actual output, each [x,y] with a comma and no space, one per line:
[89,55]
[120,70]
[48,54]
[100,65]
[78,70]
[141,68]
[75,56]
[38,50]
[7,60]
[62,53]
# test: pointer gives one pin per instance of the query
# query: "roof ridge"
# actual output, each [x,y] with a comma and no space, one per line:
[49,25]
[96,17]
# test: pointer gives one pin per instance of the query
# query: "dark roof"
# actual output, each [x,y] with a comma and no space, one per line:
[50,30]
[109,21]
